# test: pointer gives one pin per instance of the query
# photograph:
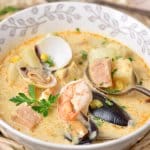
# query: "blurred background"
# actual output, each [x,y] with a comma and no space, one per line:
[140,9]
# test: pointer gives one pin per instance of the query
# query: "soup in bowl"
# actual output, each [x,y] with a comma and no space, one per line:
[67,87]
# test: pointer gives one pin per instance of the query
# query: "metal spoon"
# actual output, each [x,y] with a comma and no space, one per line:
[134,87]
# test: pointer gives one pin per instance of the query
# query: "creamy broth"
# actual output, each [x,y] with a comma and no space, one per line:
[51,127]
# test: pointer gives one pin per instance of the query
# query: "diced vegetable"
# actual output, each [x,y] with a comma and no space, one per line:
[69,73]
[15,59]
[119,85]
[44,57]
[96,104]
[124,72]
[78,29]
[103,52]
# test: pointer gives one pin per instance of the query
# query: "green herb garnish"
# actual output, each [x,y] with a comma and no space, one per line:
[32,91]
[116,58]
[50,62]
[108,102]
[123,107]
[8,9]
[41,106]
[56,34]
[22,98]
[131,59]
[44,105]
[97,120]
[80,63]
[78,29]
[111,91]
[105,41]
[140,82]
[84,54]
[113,72]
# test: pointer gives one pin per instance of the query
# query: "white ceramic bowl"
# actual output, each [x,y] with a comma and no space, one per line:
[68,16]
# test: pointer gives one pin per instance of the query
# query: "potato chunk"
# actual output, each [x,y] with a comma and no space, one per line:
[72,72]
[124,75]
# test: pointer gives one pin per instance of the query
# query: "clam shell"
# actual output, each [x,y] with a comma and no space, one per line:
[39,77]
[56,48]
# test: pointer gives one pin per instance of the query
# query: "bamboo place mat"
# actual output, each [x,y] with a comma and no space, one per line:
[139,9]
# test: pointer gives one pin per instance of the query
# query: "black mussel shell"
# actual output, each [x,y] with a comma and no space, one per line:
[90,136]
[110,113]
[81,141]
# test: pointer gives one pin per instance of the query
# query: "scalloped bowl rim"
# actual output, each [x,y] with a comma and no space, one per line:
[65,146]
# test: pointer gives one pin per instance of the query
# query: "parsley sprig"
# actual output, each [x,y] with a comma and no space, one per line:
[44,105]
[22,98]
[50,62]
[41,106]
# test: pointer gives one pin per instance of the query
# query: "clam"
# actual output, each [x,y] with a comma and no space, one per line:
[55,50]
[41,78]
[109,110]
[83,131]
[54,53]
[125,73]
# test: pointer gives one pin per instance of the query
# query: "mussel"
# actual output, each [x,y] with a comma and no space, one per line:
[109,111]
[86,135]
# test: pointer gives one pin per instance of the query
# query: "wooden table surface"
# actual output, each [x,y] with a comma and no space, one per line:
[144,143]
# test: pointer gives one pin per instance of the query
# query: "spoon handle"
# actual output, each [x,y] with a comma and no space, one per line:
[142,90]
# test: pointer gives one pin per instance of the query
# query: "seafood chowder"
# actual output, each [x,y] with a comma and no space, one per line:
[73,87]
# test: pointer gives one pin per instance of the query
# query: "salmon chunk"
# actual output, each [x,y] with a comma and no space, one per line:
[26,116]
[100,72]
